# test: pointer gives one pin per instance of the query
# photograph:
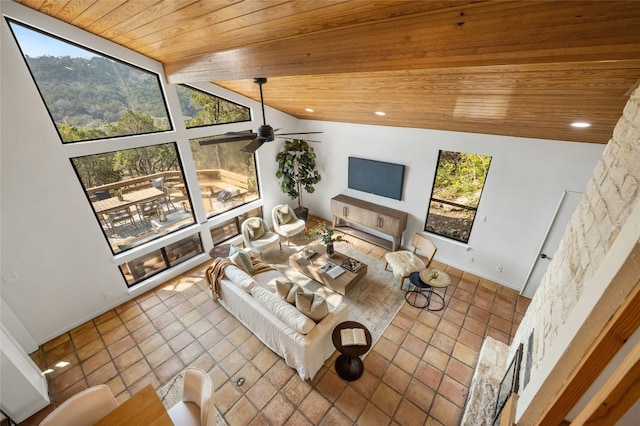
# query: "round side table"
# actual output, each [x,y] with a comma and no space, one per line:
[425,281]
[220,250]
[349,366]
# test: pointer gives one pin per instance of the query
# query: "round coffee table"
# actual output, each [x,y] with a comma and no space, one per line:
[425,281]
[349,366]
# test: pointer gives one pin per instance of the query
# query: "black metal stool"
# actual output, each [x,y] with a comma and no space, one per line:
[424,282]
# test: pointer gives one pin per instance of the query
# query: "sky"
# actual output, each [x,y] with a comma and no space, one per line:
[35,44]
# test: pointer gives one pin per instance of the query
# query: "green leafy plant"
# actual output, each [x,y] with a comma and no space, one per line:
[297,169]
[325,234]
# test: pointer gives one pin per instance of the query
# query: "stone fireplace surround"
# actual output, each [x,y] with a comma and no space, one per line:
[576,295]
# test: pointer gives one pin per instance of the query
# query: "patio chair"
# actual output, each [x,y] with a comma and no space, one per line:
[117,217]
[149,209]
[158,183]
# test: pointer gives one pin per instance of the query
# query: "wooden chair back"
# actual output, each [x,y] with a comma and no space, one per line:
[426,247]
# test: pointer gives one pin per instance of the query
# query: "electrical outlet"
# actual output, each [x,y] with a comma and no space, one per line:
[470,259]
[498,268]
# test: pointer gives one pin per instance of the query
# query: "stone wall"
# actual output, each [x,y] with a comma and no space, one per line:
[610,196]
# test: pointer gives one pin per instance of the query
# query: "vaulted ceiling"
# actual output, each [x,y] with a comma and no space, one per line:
[518,68]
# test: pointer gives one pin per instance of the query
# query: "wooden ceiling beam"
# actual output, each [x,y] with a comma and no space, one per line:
[499,33]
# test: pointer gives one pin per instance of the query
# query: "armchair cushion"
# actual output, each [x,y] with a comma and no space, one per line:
[284,215]
[312,305]
[255,229]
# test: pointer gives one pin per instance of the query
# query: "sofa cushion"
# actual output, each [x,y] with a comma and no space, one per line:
[312,305]
[242,260]
[240,278]
[287,291]
[284,215]
[255,229]
[286,312]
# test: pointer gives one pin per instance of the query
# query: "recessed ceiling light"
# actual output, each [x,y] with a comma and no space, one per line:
[309,109]
[380,113]
[581,124]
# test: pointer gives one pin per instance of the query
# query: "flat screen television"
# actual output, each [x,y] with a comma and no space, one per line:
[376,177]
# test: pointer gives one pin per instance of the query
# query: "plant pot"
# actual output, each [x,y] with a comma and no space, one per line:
[330,250]
[301,213]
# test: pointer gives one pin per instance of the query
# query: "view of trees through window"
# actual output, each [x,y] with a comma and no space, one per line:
[88,95]
[135,193]
[456,192]
[203,109]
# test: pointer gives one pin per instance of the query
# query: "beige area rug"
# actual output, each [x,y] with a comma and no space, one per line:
[373,301]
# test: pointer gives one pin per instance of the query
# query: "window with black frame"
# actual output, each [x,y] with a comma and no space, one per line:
[456,192]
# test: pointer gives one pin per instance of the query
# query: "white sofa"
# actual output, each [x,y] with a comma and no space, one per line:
[304,352]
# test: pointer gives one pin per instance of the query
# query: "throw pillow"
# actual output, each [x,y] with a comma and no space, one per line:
[284,215]
[233,249]
[255,229]
[312,305]
[287,291]
[287,313]
[243,261]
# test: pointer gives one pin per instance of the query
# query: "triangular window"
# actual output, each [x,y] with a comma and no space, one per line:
[203,109]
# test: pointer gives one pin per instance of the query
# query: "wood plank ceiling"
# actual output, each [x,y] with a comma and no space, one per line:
[518,68]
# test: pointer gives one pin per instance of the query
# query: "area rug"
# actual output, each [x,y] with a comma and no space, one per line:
[373,301]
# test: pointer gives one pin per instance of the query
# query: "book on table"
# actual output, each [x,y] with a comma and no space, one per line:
[331,269]
[353,336]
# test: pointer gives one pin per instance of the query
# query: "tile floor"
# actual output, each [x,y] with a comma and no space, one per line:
[417,373]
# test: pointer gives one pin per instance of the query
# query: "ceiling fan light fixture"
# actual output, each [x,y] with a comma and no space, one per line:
[580,124]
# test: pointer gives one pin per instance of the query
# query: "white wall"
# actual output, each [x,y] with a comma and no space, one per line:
[525,182]
[51,239]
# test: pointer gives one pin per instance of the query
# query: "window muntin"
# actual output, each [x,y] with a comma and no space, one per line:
[143,267]
[89,95]
[148,180]
[456,192]
[226,175]
[204,109]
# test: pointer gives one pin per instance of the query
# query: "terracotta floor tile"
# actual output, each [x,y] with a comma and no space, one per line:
[397,378]
[251,347]
[314,406]
[410,415]
[168,369]
[453,390]
[191,352]
[406,360]
[89,325]
[500,323]
[280,373]
[144,332]
[351,403]
[81,339]
[239,335]
[128,358]
[386,348]
[58,352]
[93,363]
[241,413]
[296,390]
[420,394]
[232,363]
[445,411]
[102,374]
[164,320]
[149,302]
[67,378]
[436,357]
[200,327]
[172,330]
[376,364]
[136,322]
[181,341]
[460,371]
[442,342]
[366,384]
[465,354]
[159,355]
[278,410]
[115,334]
[226,398]
[429,375]
[261,393]
[372,415]
[109,324]
[265,359]
[90,349]
[104,317]
[135,372]
[331,386]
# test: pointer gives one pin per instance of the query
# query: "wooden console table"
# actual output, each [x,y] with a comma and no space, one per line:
[348,210]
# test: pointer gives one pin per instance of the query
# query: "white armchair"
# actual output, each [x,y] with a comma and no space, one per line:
[285,222]
[257,237]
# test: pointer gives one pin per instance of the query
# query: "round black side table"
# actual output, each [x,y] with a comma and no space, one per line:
[424,282]
[349,366]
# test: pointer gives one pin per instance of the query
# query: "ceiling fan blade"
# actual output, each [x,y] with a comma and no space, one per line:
[254,145]
[298,133]
[306,140]
[224,138]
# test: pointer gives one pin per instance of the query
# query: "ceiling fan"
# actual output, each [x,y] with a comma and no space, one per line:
[265,133]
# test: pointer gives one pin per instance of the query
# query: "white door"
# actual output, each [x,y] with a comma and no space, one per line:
[566,206]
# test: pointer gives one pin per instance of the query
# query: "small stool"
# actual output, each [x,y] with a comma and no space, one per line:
[424,282]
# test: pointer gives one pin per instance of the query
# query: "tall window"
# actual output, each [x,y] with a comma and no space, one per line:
[226,175]
[89,95]
[203,109]
[135,193]
[456,192]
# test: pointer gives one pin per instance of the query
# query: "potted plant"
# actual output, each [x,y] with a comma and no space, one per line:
[297,169]
[325,234]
